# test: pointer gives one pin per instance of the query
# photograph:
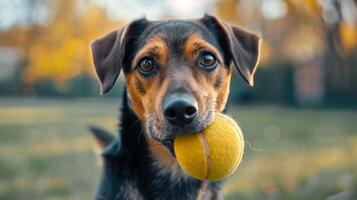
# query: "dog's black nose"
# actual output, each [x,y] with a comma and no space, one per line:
[180,110]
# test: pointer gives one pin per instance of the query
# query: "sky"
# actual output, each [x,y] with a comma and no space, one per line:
[155,9]
[17,12]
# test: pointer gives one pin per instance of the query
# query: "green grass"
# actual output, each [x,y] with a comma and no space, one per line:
[45,150]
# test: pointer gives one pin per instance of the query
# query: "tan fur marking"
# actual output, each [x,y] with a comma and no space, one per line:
[195,43]
[154,47]
[160,151]
[223,92]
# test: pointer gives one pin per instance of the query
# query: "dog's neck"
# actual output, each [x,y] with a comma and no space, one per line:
[138,173]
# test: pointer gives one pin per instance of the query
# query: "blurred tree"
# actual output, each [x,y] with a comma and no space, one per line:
[304,32]
[60,50]
[294,29]
[55,47]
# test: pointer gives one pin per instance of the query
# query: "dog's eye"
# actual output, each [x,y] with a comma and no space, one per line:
[208,60]
[146,65]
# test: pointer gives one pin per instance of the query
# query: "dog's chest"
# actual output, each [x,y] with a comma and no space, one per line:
[172,183]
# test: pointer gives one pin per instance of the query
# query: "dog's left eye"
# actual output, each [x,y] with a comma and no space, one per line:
[207,60]
[146,66]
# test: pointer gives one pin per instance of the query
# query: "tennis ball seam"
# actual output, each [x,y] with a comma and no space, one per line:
[229,119]
[203,140]
[206,166]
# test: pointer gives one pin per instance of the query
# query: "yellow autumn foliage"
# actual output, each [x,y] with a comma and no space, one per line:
[348,36]
[60,51]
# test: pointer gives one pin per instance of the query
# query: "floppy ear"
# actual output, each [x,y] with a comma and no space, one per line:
[108,53]
[243,47]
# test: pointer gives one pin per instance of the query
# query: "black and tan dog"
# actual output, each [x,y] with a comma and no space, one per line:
[177,75]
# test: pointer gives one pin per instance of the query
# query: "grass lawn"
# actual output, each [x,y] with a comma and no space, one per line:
[45,151]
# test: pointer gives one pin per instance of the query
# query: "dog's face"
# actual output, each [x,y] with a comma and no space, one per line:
[177,80]
[177,72]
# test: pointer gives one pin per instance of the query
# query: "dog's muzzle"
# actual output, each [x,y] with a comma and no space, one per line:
[180,109]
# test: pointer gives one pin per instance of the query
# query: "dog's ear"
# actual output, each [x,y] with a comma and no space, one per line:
[239,45]
[109,52]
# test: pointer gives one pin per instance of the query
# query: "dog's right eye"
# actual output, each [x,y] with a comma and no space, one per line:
[146,66]
[208,61]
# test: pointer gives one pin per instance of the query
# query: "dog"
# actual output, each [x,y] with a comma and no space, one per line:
[177,76]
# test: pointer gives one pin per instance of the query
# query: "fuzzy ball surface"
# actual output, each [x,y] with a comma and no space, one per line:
[212,154]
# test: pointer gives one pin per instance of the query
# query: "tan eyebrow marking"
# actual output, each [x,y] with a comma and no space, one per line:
[196,43]
[154,47]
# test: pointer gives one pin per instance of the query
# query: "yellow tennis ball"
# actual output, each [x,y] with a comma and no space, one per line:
[212,154]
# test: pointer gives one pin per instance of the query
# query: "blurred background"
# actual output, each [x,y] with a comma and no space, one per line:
[300,119]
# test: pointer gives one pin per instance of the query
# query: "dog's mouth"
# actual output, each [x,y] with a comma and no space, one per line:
[169,144]
[167,139]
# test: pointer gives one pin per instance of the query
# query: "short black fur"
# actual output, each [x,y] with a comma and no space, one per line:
[130,173]
[129,170]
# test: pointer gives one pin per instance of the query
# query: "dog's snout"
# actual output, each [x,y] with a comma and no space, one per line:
[180,110]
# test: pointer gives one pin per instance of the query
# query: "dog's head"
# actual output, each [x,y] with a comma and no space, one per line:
[177,72]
